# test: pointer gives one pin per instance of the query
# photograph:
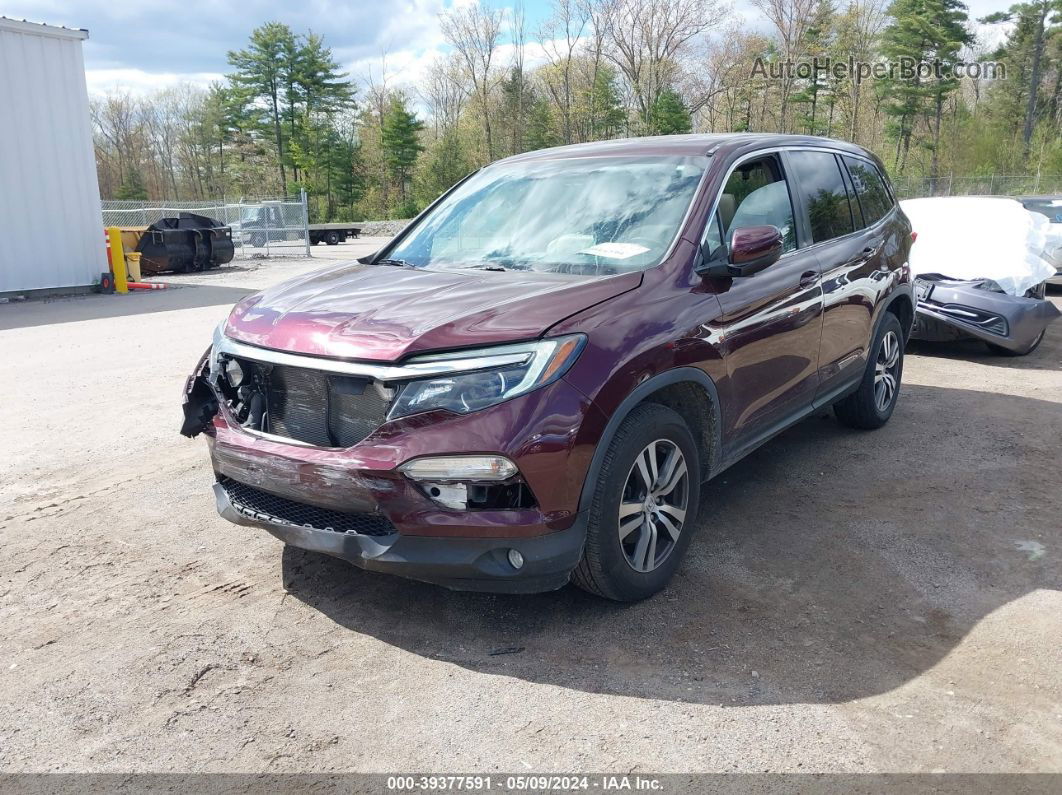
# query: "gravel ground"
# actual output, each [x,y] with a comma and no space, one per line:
[885,601]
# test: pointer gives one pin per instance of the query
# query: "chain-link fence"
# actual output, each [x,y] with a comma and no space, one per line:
[263,227]
[1002,185]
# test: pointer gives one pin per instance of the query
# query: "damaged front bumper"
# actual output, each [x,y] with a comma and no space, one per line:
[467,564]
[949,310]
[356,504]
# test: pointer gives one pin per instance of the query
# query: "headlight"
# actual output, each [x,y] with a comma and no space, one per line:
[501,373]
[215,344]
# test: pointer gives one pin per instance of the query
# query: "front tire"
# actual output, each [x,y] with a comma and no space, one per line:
[872,404]
[644,509]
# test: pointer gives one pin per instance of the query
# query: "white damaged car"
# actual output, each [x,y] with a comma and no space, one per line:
[1050,207]
[980,271]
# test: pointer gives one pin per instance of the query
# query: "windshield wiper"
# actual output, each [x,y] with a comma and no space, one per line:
[487,268]
[398,263]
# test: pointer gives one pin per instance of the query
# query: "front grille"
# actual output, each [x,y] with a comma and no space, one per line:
[320,408]
[257,504]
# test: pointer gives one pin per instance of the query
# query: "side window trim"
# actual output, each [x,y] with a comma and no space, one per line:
[713,221]
[844,183]
[853,200]
[782,161]
[800,210]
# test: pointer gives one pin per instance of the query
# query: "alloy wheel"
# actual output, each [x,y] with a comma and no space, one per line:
[652,510]
[886,370]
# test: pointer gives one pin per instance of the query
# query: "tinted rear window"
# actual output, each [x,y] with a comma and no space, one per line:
[870,190]
[824,193]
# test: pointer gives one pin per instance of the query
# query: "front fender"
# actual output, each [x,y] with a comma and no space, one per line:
[668,378]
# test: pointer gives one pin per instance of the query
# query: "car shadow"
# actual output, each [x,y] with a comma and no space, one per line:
[829,565]
[94,306]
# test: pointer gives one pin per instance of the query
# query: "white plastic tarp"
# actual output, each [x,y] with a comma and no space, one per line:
[970,237]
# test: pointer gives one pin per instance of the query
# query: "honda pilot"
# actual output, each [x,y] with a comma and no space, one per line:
[530,383]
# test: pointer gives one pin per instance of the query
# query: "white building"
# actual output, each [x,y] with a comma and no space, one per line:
[51,231]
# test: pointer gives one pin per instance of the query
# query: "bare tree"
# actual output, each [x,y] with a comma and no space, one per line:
[859,26]
[444,93]
[560,36]
[518,37]
[791,19]
[379,95]
[725,65]
[474,31]
[648,38]
[593,52]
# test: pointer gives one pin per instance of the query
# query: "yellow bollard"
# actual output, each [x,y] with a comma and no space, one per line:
[121,281]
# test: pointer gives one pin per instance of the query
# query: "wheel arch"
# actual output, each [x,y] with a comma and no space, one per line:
[687,390]
[900,304]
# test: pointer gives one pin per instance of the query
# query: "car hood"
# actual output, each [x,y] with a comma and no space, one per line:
[383,313]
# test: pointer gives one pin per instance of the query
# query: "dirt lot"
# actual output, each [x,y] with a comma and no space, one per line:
[885,601]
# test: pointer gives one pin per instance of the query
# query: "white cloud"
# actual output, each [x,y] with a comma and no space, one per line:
[137,81]
[142,46]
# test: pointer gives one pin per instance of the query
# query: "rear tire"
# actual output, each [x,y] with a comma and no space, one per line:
[332,238]
[644,509]
[872,404]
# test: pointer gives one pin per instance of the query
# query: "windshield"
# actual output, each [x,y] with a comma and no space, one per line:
[589,216]
[1050,208]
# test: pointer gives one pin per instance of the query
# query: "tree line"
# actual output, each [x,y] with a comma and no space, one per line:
[286,118]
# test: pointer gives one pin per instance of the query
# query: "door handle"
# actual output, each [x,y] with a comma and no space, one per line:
[864,256]
[808,278]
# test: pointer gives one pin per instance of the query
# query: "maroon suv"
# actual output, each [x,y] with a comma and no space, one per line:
[530,383]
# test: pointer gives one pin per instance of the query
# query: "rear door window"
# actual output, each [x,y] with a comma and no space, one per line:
[870,189]
[822,186]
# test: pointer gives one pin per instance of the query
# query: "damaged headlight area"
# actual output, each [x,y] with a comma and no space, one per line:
[500,373]
[477,482]
[199,402]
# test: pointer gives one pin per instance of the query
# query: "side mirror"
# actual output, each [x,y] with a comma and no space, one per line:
[753,248]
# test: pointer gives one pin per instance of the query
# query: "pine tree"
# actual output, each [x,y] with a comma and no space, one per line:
[924,35]
[668,114]
[541,133]
[605,112]
[132,187]
[400,141]
[1028,59]
[444,163]
[285,79]
[262,72]
[817,44]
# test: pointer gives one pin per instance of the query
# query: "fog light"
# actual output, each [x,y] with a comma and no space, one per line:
[516,559]
[460,467]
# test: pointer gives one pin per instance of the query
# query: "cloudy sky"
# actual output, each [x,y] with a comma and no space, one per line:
[140,45]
